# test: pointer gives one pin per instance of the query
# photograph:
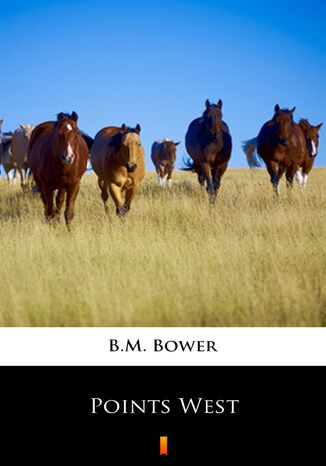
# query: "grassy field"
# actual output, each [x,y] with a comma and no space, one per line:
[176,261]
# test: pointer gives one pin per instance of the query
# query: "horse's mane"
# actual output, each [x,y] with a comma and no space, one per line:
[87,138]
[304,121]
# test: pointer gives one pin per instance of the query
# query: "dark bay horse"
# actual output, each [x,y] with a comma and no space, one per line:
[117,158]
[57,157]
[209,144]
[311,134]
[163,156]
[280,144]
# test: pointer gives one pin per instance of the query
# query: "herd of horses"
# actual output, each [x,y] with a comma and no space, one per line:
[56,153]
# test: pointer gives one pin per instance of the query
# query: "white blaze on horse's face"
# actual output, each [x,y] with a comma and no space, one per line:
[69,127]
[313,148]
[70,154]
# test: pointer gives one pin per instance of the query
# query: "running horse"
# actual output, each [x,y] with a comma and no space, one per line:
[163,156]
[209,144]
[117,158]
[280,144]
[57,157]
[311,134]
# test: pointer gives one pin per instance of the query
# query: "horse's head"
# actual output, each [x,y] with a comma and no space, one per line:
[283,119]
[213,119]
[170,149]
[130,143]
[27,130]
[67,136]
[311,135]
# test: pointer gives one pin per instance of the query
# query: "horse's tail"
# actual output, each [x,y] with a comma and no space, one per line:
[188,164]
[250,149]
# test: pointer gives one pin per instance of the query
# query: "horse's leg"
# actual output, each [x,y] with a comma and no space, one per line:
[158,176]
[290,172]
[206,170]
[70,203]
[217,173]
[59,199]
[104,193]
[130,194]
[9,177]
[200,176]
[50,209]
[22,177]
[299,178]
[15,176]
[306,168]
[117,197]
[272,170]
[169,180]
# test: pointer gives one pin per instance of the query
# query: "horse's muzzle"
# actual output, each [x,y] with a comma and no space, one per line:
[65,160]
[131,167]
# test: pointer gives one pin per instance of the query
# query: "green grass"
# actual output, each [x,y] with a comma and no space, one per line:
[176,260]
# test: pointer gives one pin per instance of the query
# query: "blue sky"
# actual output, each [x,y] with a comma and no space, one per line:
[155,63]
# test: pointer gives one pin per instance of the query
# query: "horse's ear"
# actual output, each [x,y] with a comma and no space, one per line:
[276,108]
[138,128]
[207,103]
[177,143]
[219,104]
[22,126]
[123,127]
[74,116]
[318,126]
[1,121]
[60,116]
[292,110]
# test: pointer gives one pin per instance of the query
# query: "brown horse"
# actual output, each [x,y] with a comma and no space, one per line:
[280,144]
[19,149]
[209,144]
[163,156]
[117,158]
[57,157]
[312,139]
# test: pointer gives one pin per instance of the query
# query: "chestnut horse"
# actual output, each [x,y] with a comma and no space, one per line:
[280,144]
[209,144]
[312,139]
[57,157]
[117,158]
[163,156]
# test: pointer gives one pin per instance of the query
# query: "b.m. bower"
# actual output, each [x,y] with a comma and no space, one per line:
[158,345]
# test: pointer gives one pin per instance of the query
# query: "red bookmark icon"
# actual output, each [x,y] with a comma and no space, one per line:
[163,446]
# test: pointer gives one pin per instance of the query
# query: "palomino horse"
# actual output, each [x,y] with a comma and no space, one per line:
[164,156]
[117,158]
[57,157]
[209,144]
[280,144]
[19,149]
[312,139]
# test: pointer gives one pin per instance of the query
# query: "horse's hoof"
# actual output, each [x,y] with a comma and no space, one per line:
[120,211]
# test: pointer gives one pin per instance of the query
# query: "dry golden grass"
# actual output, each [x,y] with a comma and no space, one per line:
[175,261]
